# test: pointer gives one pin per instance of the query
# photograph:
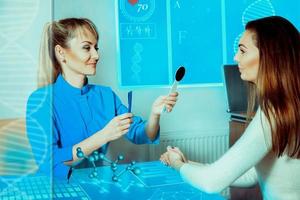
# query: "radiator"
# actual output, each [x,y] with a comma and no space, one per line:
[202,146]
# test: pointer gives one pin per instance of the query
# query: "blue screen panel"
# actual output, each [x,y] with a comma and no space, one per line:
[143,43]
[156,37]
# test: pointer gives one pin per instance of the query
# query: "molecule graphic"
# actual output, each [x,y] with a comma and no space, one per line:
[113,164]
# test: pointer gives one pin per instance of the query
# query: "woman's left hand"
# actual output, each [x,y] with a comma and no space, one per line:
[164,101]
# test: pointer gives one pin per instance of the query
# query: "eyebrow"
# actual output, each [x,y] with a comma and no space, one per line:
[241,45]
[87,42]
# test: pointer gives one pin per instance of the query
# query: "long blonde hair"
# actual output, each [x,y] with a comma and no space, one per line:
[58,33]
[278,82]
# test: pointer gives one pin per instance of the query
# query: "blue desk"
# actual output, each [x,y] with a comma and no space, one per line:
[155,182]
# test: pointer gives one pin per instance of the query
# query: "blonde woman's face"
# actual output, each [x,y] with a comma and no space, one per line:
[247,58]
[81,57]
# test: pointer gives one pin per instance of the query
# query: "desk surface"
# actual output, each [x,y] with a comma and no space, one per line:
[155,182]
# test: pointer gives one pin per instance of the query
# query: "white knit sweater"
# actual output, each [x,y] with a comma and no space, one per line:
[249,160]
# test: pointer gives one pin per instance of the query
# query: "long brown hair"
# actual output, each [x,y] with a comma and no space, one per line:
[278,81]
[59,33]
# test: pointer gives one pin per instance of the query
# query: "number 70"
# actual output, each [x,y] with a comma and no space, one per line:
[142,7]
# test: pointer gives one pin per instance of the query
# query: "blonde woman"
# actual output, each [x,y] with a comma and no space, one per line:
[74,113]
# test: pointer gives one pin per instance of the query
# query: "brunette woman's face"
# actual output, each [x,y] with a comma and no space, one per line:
[247,57]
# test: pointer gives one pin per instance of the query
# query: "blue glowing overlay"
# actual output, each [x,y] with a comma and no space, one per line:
[156,181]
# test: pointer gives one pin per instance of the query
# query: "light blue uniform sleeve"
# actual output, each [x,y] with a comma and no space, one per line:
[43,135]
[137,132]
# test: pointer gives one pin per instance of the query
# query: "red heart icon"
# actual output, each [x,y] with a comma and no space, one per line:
[133,2]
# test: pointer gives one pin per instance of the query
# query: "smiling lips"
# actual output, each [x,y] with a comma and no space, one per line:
[92,64]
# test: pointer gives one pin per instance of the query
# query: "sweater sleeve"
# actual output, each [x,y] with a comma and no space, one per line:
[241,157]
[248,179]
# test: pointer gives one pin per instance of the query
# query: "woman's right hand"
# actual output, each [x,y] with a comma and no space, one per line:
[177,150]
[118,126]
[172,154]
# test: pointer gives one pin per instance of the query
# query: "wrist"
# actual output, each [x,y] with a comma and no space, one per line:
[154,115]
[177,164]
[103,136]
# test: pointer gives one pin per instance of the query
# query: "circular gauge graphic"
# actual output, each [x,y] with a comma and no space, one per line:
[137,10]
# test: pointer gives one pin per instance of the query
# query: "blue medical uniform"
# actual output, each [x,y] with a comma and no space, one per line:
[59,116]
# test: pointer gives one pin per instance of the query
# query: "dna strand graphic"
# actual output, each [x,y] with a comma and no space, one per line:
[16,83]
[135,60]
[256,10]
